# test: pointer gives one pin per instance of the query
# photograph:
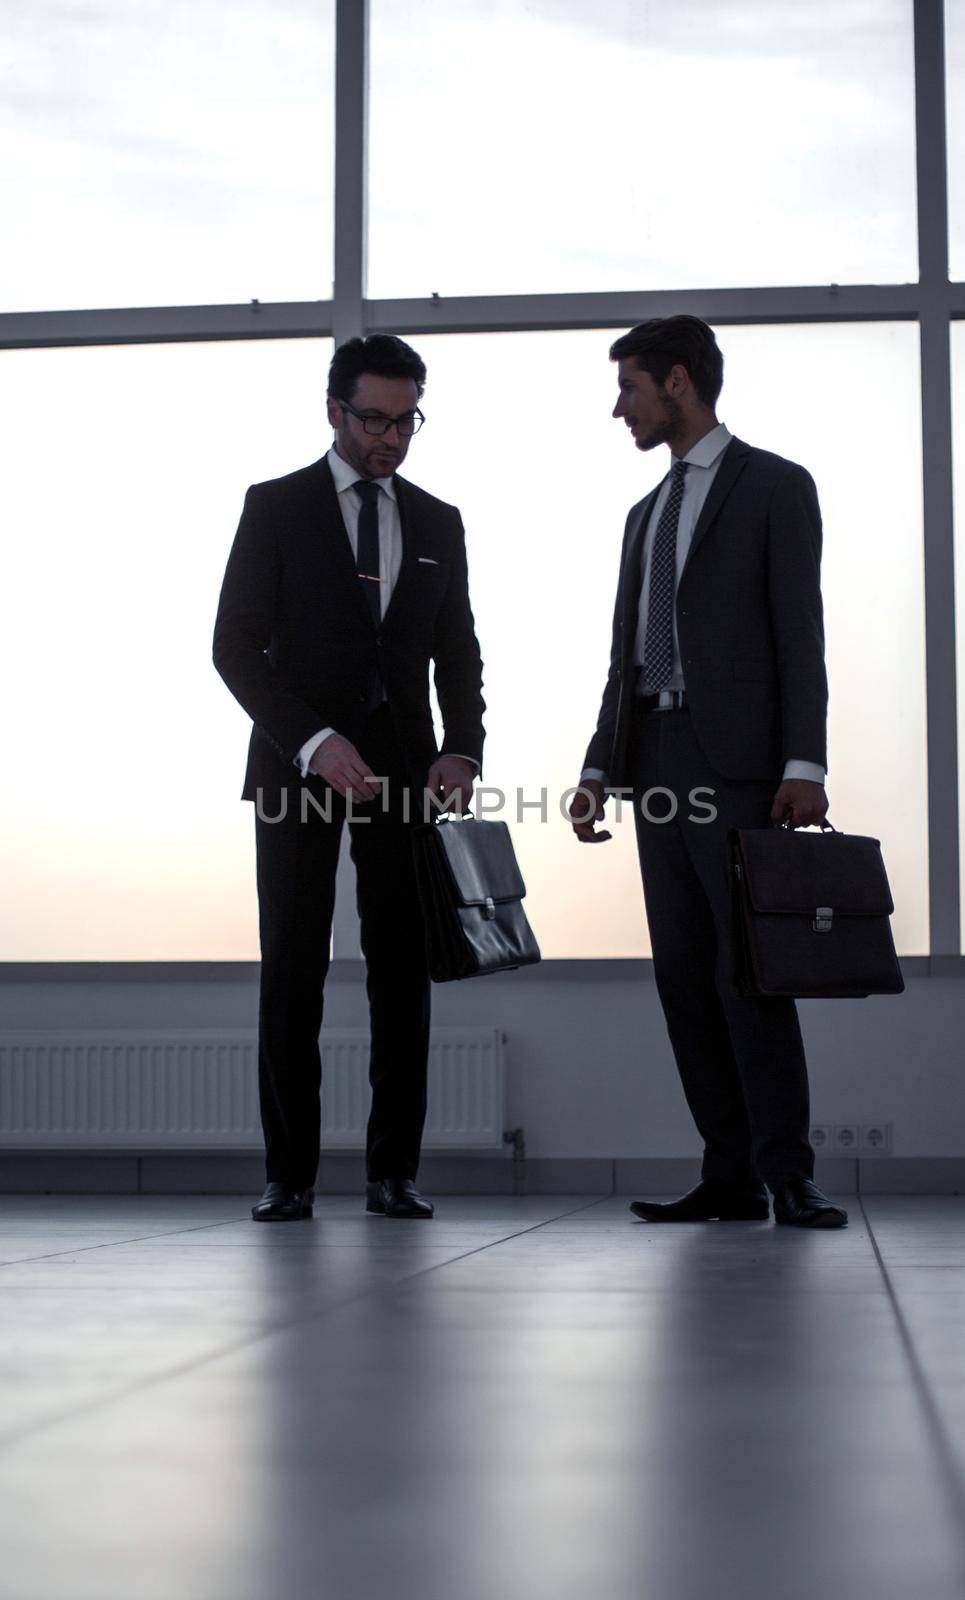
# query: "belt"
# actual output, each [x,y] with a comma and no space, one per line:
[666,700]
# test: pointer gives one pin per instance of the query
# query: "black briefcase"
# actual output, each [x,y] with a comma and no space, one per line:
[809,914]
[471,891]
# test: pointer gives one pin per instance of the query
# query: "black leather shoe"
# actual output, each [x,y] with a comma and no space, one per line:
[281,1203]
[396,1197]
[801,1203]
[708,1201]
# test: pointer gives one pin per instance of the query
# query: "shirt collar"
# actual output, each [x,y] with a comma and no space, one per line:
[710,448]
[346,477]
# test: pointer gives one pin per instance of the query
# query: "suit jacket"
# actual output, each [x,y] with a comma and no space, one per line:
[749,624]
[296,644]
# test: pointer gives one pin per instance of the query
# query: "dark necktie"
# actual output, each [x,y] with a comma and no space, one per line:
[367,559]
[658,643]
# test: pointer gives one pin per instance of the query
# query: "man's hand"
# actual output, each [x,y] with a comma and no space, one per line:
[339,763]
[584,812]
[452,775]
[801,802]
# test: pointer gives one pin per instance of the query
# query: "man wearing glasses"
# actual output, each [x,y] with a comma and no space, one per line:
[343,583]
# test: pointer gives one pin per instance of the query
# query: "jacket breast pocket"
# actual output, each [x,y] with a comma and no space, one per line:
[431,575]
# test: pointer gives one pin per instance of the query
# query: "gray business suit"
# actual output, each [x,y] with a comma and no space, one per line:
[750,627]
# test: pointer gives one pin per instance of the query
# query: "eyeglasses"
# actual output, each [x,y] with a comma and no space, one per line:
[405,426]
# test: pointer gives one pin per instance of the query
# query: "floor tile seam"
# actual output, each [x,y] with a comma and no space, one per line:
[200,1228]
[951,1475]
[111,1244]
[183,1369]
[492,1244]
[129,1391]
[203,1227]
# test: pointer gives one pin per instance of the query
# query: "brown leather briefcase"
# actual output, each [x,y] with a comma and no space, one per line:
[810,914]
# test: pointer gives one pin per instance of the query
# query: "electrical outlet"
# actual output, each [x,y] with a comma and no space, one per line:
[820,1136]
[847,1137]
[876,1138]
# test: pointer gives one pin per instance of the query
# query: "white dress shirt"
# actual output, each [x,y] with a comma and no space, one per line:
[390,553]
[702,460]
[390,557]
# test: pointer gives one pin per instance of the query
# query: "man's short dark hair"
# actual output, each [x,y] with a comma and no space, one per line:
[664,342]
[382,354]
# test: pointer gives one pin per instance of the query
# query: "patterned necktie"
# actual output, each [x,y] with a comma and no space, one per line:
[367,558]
[658,643]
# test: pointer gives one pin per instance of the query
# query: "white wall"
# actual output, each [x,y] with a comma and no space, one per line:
[590,1071]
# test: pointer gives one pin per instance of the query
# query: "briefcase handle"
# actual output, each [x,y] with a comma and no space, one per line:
[824,825]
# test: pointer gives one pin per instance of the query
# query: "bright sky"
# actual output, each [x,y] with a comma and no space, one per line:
[564,146]
[180,151]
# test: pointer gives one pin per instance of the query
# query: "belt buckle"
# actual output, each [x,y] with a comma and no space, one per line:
[651,702]
[675,701]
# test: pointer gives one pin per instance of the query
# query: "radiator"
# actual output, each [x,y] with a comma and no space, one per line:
[198,1088]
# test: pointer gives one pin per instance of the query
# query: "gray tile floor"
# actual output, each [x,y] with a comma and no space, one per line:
[524,1397]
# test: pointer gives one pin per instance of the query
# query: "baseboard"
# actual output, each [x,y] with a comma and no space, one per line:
[241,1172]
[912,1175]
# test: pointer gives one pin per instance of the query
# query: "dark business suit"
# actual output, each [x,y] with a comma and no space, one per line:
[297,645]
[750,630]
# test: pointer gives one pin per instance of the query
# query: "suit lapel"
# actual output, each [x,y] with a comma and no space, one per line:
[632,575]
[403,581]
[731,466]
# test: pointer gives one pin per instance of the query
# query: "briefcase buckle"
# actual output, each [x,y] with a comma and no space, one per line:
[823,918]
[489,909]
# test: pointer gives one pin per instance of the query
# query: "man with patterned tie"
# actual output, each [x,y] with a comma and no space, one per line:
[344,582]
[714,715]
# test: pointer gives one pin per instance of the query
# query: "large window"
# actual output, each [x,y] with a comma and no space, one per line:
[508,177]
[545,485]
[124,474]
[955,110]
[166,152]
[554,146]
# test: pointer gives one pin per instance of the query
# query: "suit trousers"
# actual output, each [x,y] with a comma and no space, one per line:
[741,1060]
[296,865]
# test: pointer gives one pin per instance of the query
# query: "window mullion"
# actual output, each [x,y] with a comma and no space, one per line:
[936,413]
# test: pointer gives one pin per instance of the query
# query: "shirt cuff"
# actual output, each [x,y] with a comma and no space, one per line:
[470,759]
[593,772]
[804,769]
[308,749]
